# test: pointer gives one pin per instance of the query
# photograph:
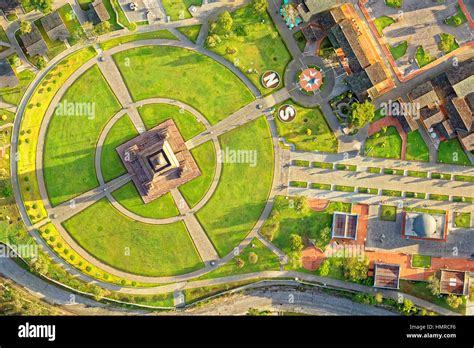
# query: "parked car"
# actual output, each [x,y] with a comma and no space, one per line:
[133,6]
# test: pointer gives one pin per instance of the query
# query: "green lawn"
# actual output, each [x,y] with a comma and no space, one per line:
[300,163]
[261,50]
[391,193]
[267,261]
[343,188]
[9,117]
[160,208]
[154,114]
[421,261]
[423,58]
[3,35]
[69,168]
[307,223]
[317,186]
[205,157]
[382,22]
[191,32]
[457,19]
[13,95]
[421,290]
[181,74]
[243,188]
[111,164]
[417,174]
[72,23]
[31,123]
[449,41]
[394,3]
[300,184]
[452,152]
[178,9]
[321,139]
[399,50]
[131,246]
[386,145]
[466,178]
[436,197]
[462,220]
[159,34]
[389,213]
[300,40]
[416,148]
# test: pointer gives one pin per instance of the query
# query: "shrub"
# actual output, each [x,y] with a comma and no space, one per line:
[296,242]
[325,268]
[454,301]
[88,268]
[52,239]
[239,262]
[253,258]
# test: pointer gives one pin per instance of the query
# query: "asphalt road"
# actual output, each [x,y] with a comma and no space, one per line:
[287,299]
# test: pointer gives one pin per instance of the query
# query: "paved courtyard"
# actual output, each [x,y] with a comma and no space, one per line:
[419,23]
[386,235]
[146,10]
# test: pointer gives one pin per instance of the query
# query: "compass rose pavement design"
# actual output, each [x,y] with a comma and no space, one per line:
[311,79]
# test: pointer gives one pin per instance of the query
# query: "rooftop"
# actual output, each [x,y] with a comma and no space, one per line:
[454,282]
[55,27]
[344,225]
[100,10]
[34,42]
[386,275]
[158,161]
[7,75]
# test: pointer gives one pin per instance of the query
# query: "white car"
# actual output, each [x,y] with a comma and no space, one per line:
[133,6]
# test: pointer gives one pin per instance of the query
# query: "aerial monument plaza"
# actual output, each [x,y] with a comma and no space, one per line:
[158,161]
[217,155]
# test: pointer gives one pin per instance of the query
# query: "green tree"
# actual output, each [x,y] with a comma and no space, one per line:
[102,28]
[259,6]
[132,26]
[294,259]
[300,203]
[378,297]
[454,301]
[407,307]
[239,262]
[325,268]
[354,269]
[25,27]
[42,5]
[446,42]
[361,114]
[253,257]
[224,22]
[41,63]
[296,242]
[433,284]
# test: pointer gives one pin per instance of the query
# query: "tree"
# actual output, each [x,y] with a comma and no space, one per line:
[296,242]
[454,301]
[294,259]
[446,42]
[361,114]
[300,203]
[42,5]
[40,265]
[88,28]
[213,40]
[309,132]
[41,63]
[378,297]
[325,268]
[259,6]
[457,21]
[102,28]
[354,269]
[25,27]
[132,26]
[224,22]
[239,262]
[253,258]
[433,284]
[325,235]
[407,307]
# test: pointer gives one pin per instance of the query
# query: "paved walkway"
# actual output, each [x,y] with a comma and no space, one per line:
[7,106]
[202,242]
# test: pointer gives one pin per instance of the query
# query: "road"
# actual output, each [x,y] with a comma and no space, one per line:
[287,299]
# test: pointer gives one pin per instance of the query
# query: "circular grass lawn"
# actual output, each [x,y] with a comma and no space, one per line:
[132,246]
[184,75]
